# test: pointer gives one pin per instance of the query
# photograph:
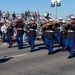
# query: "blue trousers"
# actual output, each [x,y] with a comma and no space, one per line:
[9,40]
[43,37]
[70,45]
[49,44]
[58,38]
[74,44]
[30,40]
[19,39]
[63,44]
[3,37]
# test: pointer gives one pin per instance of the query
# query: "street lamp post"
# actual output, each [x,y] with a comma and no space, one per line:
[55,3]
[55,9]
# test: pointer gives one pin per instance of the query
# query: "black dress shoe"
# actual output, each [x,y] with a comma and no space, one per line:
[32,51]
[70,57]
[49,53]
[9,46]
[20,48]
[63,50]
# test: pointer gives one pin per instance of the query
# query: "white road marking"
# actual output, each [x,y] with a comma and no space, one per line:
[15,56]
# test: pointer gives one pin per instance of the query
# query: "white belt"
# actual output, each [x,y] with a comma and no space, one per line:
[20,29]
[49,31]
[57,28]
[31,29]
[71,31]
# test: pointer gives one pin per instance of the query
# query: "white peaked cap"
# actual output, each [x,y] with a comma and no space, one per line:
[72,17]
[45,14]
[50,19]
[32,19]
[60,18]
[63,21]
[68,19]
[9,22]
[19,17]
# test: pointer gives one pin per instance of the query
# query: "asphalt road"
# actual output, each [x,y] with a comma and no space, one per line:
[21,62]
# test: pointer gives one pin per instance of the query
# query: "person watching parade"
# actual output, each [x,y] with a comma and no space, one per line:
[9,34]
[4,32]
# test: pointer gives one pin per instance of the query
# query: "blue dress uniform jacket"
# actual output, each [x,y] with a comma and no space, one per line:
[20,30]
[49,35]
[71,39]
[57,30]
[33,30]
[19,36]
[71,34]
[32,35]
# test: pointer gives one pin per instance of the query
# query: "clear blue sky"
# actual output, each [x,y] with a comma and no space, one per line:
[67,6]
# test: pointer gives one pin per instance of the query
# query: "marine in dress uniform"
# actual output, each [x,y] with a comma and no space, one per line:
[19,29]
[43,31]
[32,34]
[49,35]
[63,37]
[57,34]
[71,37]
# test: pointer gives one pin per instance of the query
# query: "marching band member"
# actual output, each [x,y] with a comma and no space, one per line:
[43,31]
[71,37]
[9,34]
[63,36]
[19,29]
[32,34]
[57,34]
[49,35]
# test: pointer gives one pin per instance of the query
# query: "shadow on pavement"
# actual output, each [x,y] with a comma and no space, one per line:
[56,46]
[57,50]
[23,45]
[5,59]
[40,44]
[26,47]
[74,54]
[40,48]
[35,46]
